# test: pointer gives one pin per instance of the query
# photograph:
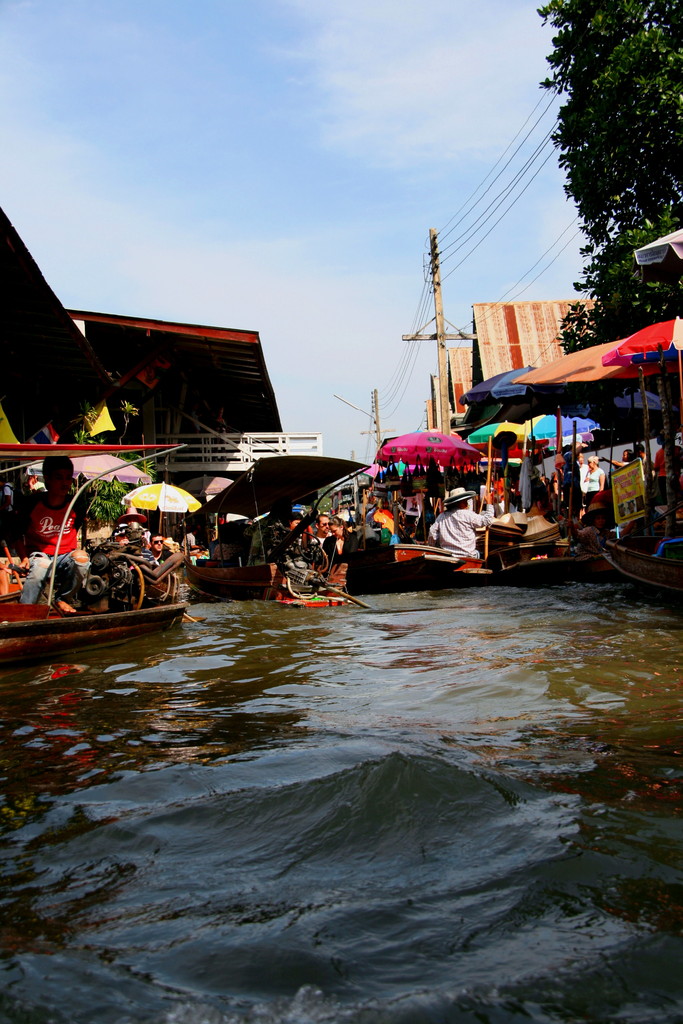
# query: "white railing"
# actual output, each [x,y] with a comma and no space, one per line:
[208,453]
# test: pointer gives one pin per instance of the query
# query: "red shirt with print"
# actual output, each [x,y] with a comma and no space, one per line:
[42,529]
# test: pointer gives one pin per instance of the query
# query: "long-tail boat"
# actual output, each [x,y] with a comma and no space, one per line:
[652,562]
[124,596]
[269,481]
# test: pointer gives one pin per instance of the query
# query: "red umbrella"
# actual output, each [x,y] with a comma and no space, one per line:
[425,445]
[668,333]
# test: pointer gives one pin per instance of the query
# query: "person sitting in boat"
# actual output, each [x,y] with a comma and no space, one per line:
[456,528]
[322,527]
[40,519]
[338,546]
[593,531]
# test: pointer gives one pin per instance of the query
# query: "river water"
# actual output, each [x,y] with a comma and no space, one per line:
[454,807]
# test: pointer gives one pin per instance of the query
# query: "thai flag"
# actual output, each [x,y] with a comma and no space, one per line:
[46,435]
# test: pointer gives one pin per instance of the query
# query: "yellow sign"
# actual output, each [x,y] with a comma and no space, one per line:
[628,492]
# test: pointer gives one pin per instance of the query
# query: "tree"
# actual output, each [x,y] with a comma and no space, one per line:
[619,63]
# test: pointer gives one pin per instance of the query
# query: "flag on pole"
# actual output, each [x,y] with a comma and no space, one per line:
[98,419]
[46,435]
[6,432]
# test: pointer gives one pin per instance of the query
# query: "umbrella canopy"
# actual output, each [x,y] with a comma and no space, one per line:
[164,497]
[661,260]
[482,435]
[207,485]
[645,343]
[426,445]
[627,402]
[91,466]
[546,426]
[585,364]
[502,386]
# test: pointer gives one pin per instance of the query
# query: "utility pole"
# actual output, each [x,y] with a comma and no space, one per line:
[374,399]
[443,409]
[444,402]
[375,412]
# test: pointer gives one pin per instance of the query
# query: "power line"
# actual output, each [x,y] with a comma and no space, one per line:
[443,234]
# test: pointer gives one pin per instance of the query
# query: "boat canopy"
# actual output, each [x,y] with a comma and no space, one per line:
[25,454]
[280,477]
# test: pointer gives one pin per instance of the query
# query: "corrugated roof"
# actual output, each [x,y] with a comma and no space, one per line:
[223,369]
[460,360]
[512,335]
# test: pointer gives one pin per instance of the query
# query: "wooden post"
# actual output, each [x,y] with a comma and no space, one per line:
[573,465]
[649,483]
[489,470]
[664,391]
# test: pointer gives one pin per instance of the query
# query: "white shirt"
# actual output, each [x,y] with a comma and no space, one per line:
[456,530]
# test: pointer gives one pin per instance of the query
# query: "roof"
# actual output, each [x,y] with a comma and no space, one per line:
[512,335]
[42,348]
[223,368]
[460,360]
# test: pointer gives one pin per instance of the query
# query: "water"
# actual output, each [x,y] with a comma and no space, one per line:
[454,807]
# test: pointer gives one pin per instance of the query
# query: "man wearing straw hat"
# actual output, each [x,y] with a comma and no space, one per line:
[456,528]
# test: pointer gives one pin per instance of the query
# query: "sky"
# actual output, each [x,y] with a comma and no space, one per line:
[276,165]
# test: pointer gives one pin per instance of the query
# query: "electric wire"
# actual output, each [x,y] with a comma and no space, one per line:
[499,199]
[444,233]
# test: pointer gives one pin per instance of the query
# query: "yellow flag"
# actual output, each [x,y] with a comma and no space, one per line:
[6,432]
[98,419]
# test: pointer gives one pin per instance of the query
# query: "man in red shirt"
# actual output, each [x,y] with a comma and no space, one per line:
[39,524]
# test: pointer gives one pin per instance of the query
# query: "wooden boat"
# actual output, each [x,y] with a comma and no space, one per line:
[124,596]
[531,565]
[255,583]
[33,632]
[636,559]
[291,477]
[400,568]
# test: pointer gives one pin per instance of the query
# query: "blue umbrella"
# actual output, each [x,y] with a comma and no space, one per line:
[502,386]
[546,426]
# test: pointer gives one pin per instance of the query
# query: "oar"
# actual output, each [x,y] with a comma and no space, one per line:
[347,597]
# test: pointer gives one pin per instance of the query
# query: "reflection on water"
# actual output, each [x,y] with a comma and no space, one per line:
[454,806]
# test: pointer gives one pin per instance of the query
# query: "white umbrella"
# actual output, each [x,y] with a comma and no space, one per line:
[661,260]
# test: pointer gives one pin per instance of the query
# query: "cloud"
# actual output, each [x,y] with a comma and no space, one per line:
[401,83]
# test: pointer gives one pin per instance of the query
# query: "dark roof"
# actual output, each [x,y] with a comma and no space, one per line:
[224,368]
[48,367]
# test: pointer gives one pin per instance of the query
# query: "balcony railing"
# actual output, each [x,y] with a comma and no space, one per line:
[208,453]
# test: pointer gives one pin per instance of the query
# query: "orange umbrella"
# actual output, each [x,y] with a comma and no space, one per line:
[586,364]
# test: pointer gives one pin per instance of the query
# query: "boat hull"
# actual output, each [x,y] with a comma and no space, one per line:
[252,583]
[531,565]
[635,560]
[401,568]
[28,634]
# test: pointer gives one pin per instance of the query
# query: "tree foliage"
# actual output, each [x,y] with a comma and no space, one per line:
[619,66]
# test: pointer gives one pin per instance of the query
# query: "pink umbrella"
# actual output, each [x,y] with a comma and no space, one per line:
[91,466]
[425,445]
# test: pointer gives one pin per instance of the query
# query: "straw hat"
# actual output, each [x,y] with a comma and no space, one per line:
[457,495]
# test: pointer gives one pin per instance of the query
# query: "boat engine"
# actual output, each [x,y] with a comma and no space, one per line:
[114,579]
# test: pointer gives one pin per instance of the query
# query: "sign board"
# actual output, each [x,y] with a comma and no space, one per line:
[628,492]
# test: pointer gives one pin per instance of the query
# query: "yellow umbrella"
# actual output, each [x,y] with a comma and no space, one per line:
[164,497]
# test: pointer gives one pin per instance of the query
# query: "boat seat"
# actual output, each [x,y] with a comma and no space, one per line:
[671,547]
